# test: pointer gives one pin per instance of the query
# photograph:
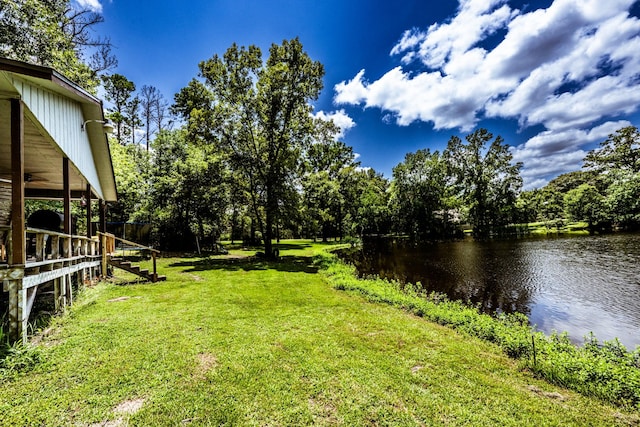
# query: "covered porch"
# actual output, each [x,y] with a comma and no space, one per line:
[53,146]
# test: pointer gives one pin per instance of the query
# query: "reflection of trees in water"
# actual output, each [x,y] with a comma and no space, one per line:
[492,275]
[485,273]
[578,284]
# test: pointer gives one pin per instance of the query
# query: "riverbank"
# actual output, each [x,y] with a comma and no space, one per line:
[249,342]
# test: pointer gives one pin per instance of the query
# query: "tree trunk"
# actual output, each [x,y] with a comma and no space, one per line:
[270,213]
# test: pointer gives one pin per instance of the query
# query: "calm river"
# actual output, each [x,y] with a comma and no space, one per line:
[574,284]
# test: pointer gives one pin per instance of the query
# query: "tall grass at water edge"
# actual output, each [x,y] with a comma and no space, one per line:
[607,371]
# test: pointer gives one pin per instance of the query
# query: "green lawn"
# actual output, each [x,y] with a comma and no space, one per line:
[242,342]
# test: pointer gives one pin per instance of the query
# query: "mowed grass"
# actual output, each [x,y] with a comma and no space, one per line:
[247,342]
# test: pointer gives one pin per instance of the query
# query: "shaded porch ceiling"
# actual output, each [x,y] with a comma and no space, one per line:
[42,159]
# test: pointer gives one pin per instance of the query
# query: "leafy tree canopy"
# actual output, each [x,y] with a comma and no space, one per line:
[620,150]
[259,112]
[54,33]
[486,178]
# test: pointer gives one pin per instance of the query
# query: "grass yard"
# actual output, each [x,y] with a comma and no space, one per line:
[246,342]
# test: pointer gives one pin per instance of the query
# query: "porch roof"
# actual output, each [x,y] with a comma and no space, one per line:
[60,120]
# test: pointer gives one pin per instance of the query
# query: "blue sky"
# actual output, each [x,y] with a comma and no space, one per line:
[552,77]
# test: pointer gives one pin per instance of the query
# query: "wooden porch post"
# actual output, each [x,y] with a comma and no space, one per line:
[18,310]
[66,201]
[18,238]
[103,216]
[88,197]
[89,273]
[102,211]
[66,195]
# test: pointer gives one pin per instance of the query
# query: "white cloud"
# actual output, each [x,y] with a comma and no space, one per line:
[93,5]
[550,153]
[567,68]
[340,118]
[474,21]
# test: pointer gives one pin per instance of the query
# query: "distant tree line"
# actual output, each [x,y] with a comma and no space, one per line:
[605,194]
[248,161]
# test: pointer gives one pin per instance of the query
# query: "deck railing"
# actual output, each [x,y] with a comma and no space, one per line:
[108,243]
[47,245]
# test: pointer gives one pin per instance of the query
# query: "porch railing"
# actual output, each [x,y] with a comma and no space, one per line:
[47,245]
[108,242]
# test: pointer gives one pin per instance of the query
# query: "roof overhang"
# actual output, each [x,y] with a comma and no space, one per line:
[22,80]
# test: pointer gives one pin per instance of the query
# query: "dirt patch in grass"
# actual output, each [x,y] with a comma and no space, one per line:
[551,395]
[323,412]
[119,299]
[129,406]
[205,362]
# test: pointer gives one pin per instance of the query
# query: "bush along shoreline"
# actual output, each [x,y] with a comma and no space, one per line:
[606,370]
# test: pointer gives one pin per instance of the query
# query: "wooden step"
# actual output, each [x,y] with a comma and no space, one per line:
[135,269]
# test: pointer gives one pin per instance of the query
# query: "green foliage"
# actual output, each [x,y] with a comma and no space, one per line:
[371,203]
[260,113]
[189,191]
[572,180]
[17,357]
[585,203]
[620,151]
[419,195]
[608,372]
[119,91]
[49,33]
[329,184]
[131,166]
[623,198]
[486,179]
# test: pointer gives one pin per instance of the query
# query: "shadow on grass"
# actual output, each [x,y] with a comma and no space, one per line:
[291,264]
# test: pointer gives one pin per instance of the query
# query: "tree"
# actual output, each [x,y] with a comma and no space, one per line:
[54,33]
[418,194]
[486,179]
[132,118]
[585,203]
[372,211]
[131,167]
[119,91]
[148,98]
[321,201]
[620,151]
[623,199]
[189,191]
[329,168]
[153,109]
[260,112]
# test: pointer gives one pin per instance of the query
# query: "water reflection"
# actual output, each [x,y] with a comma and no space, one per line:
[578,284]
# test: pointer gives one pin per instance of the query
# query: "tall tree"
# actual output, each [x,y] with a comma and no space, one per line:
[260,112]
[54,33]
[329,169]
[620,150]
[189,194]
[419,194]
[153,108]
[119,91]
[623,199]
[486,179]
[132,117]
[372,207]
[131,167]
[585,203]
[148,98]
